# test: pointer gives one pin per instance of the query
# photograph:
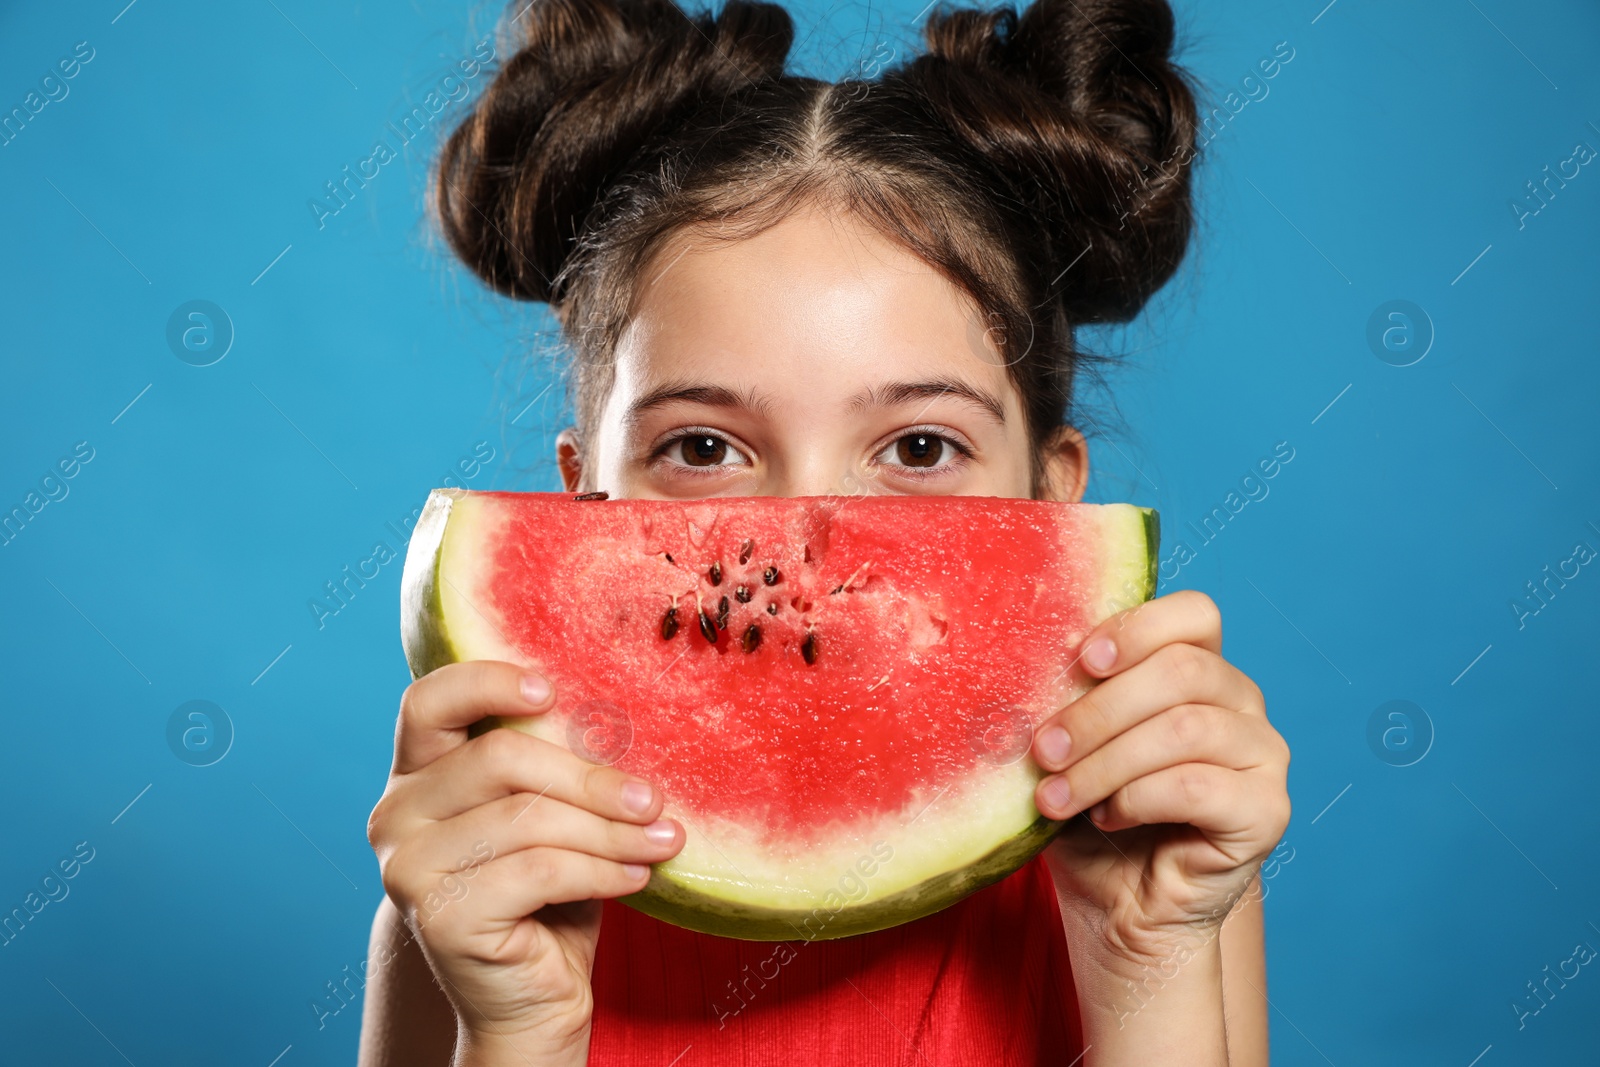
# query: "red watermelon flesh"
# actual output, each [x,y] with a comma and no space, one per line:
[805,678]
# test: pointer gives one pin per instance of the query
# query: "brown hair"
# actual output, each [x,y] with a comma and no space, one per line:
[1039,161]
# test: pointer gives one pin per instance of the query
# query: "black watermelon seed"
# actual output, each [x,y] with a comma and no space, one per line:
[715,573]
[770,576]
[836,589]
[668,555]
[752,638]
[669,623]
[708,629]
[808,647]
[599,495]
[742,594]
[722,614]
[772,608]
[745,550]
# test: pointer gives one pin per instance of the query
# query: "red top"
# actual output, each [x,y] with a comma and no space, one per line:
[986,981]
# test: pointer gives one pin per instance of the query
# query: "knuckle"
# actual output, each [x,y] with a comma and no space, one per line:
[624,838]
[1193,785]
[1279,818]
[539,866]
[1276,745]
[1186,666]
[595,786]
[396,873]
[412,701]
[1091,717]
[1206,611]
[484,682]
[1281,746]
[471,683]
[1188,726]
[501,750]
[521,805]
[378,823]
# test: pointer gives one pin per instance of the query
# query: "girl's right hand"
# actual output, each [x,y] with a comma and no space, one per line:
[498,850]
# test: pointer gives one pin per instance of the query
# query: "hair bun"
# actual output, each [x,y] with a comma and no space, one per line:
[1078,104]
[590,84]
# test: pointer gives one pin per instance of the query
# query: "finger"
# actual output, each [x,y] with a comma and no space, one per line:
[437,708]
[1172,675]
[1235,809]
[1130,636]
[509,888]
[1187,733]
[526,820]
[505,761]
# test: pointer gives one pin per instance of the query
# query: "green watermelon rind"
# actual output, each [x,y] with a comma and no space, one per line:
[428,645]
[423,635]
[1152,538]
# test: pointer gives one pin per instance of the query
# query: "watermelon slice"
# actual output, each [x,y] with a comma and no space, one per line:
[836,695]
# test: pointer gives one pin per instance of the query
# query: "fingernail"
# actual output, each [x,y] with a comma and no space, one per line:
[1056,794]
[1098,812]
[636,797]
[1054,744]
[1101,654]
[635,871]
[660,832]
[535,689]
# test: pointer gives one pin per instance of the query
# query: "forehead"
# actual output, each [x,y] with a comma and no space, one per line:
[819,301]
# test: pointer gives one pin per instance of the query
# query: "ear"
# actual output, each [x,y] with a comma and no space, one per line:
[568,459]
[1066,466]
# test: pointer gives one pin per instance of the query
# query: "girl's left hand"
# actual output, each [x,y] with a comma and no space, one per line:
[1184,779]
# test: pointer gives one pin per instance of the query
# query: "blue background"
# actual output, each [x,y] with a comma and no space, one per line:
[1382,565]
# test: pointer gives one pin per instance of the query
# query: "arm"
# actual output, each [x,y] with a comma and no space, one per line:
[1166,1008]
[407,1018]
[1197,1001]
[1244,982]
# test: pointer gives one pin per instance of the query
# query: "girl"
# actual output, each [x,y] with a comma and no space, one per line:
[777,285]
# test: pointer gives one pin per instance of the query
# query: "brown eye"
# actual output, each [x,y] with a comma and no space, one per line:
[920,450]
[702,450]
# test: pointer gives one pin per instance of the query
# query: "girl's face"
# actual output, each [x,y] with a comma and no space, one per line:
[815,358]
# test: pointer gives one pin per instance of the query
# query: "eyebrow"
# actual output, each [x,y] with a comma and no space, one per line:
[893,393]
[716,396]
[886,395]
